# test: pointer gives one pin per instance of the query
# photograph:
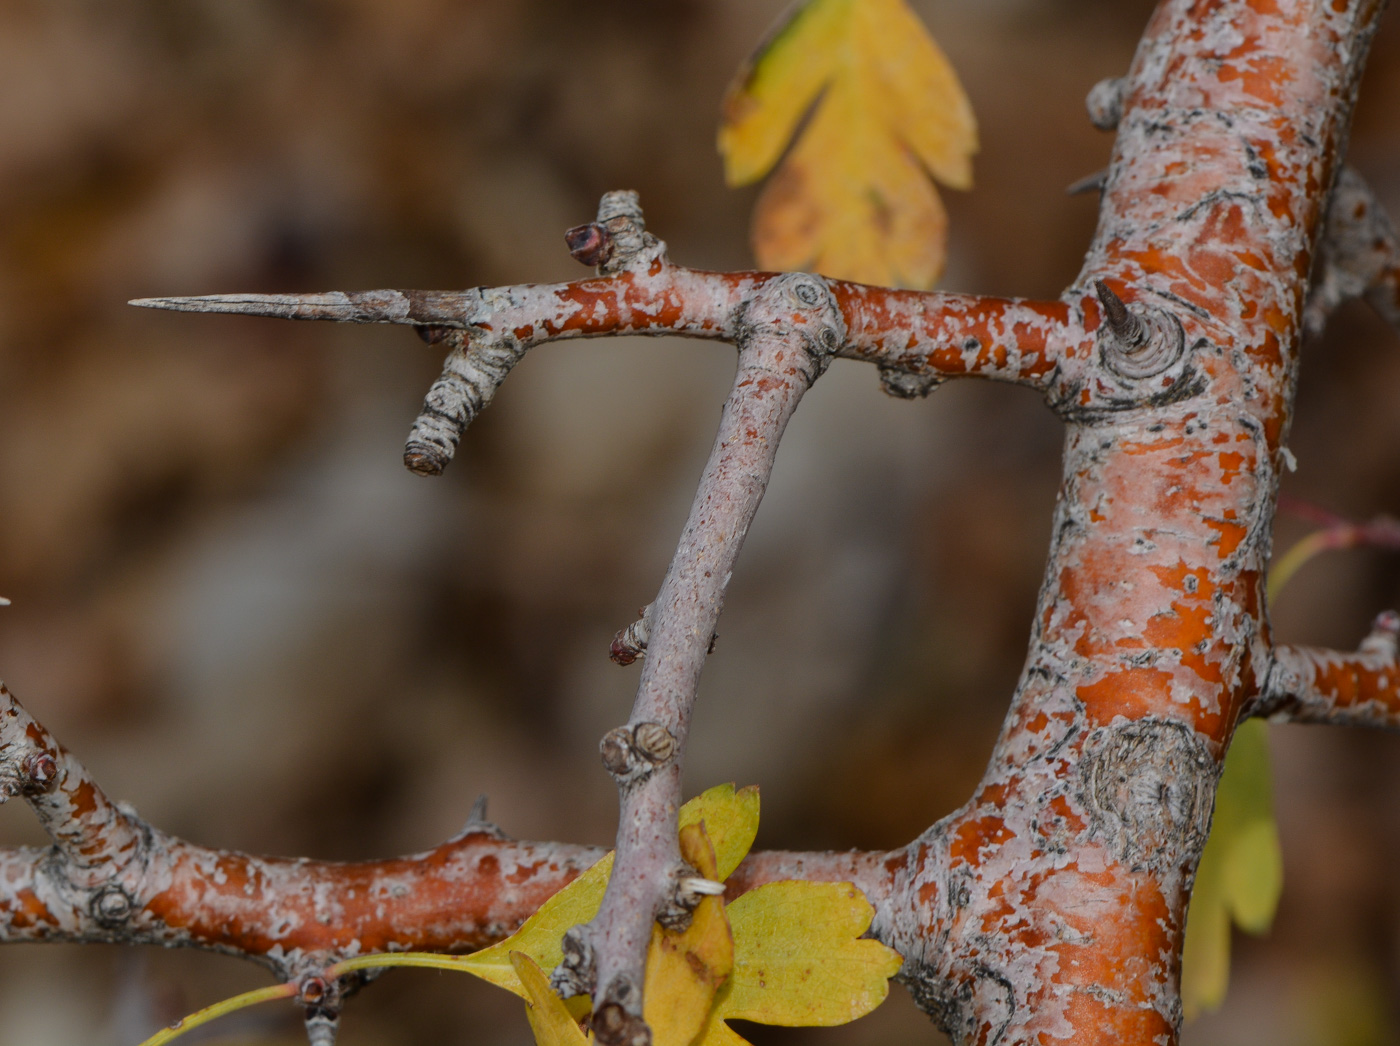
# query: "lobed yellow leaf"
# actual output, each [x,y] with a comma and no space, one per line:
[853,198]
[776,86]
[799,959]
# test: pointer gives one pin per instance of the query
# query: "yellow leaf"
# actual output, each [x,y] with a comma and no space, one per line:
[551,1022]
[799,959]
[1240,874]
[854,198]
[731,823]
[686,969]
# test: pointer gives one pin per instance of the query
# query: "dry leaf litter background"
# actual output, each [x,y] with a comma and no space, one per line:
[233,602]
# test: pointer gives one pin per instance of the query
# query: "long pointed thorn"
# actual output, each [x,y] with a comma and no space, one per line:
[1126,327]
[416,308]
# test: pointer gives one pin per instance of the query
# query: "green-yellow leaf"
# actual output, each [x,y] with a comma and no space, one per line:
[854,197]
[1241,872]
[799,959]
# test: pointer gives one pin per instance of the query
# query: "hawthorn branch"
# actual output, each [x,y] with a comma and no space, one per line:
[1313,685]
[110,877]
[787,334]
[916,339]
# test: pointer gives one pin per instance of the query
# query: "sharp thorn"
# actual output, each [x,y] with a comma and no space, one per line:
[416,308]
[1089,183]
[1126,327]
[478,811]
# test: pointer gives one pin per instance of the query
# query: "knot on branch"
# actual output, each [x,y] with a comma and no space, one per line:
[1137,344]
[1142,360]
[1149,786]
[796,304]
[27,772]
[111,906]
[322,998]
[618,239]
[630,643]
[1384,637]
[688,889]
[631,754]
[906,384]
[1105,102]
[617,1018]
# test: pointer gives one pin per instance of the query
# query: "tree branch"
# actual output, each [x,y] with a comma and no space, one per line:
[110,877]
[916,339]
[1312,685]
[787,334]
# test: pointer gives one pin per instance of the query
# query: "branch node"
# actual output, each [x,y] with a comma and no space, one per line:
[1138,344]
[654,742]
[576,971]
[630,754]
[1384,638]
[624,242]
[630,643]
[907,385]
[1105,102]
[111,906]
[40,772]
[617,1020]
[322,998]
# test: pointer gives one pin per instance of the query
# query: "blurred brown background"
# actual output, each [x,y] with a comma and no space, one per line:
[234,603]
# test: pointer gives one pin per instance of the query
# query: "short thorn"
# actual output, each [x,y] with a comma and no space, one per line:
[478,811]
[1126,327]
[4,602]
[1089,183]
